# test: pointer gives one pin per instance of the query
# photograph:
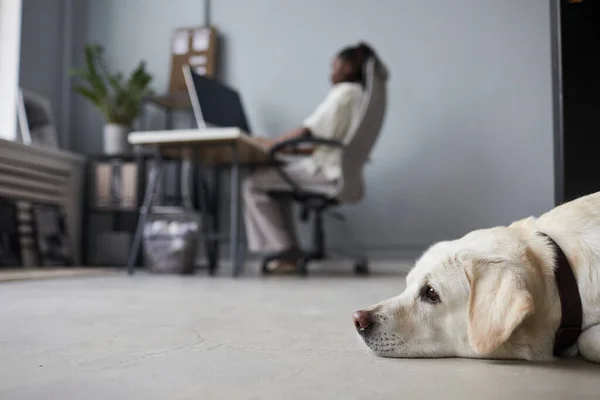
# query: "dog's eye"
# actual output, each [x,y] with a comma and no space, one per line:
[431,295]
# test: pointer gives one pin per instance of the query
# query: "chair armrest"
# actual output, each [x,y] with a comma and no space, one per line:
[280,147]
[294,143]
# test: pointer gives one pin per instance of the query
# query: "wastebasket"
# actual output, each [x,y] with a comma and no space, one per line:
[171,240]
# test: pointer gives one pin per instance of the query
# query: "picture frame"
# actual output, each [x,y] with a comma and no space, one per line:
[36,120]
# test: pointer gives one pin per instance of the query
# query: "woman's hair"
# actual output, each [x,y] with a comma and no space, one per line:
[356,56]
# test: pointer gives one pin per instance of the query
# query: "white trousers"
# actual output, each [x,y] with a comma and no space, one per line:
[269,222]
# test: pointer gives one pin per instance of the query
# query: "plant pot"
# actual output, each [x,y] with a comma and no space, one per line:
[115,139]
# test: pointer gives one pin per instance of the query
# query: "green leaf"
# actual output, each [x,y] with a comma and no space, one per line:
[119,99]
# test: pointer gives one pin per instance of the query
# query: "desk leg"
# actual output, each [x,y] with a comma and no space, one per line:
[235,210]
[142,183]
[178,197]
[144,211]
[202,203]
[216,217]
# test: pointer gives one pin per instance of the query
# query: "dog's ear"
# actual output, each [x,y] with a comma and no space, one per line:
[498,303]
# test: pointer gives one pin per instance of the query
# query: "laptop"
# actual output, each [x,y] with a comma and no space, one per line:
[214,103]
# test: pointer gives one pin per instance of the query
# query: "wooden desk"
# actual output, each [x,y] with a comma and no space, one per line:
[213,146]
[216,147]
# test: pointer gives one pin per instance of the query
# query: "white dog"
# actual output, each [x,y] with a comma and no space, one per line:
[493,293]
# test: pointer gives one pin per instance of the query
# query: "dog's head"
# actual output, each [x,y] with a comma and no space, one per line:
[463,298]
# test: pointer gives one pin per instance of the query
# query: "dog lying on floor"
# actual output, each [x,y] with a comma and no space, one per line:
[495,293]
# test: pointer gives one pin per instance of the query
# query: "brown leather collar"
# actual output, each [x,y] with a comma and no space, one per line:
[570,302]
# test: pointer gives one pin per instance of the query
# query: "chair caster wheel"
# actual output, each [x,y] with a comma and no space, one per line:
[212,270]
[264,268]
[301,267]
[361,268]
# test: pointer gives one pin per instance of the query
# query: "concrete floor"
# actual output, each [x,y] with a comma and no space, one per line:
[151,337]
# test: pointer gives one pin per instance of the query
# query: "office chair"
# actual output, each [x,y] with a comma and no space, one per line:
[350,187]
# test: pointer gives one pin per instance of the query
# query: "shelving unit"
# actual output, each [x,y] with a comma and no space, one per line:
[102,200]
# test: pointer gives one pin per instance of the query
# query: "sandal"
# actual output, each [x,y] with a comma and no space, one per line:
[281,267]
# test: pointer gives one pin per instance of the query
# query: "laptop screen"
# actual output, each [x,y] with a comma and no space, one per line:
[214,103]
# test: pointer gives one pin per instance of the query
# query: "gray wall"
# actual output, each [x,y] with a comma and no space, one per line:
[467,142]
[41,67]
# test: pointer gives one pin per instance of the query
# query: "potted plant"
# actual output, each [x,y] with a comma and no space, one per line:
[117,98]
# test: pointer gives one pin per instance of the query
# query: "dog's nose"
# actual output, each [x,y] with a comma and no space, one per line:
[362,319]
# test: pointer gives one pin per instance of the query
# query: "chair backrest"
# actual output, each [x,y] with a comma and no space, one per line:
[364,132]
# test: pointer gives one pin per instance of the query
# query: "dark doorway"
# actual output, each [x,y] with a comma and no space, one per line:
[577,45]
